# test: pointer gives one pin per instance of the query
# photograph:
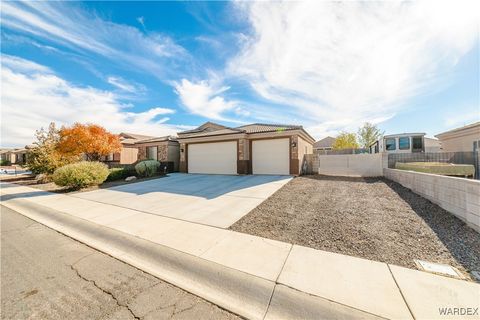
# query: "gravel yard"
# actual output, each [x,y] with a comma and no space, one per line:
[372,218]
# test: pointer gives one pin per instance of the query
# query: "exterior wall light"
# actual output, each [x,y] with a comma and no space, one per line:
[294,144]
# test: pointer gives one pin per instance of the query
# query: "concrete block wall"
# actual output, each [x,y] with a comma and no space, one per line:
[354,165]
[459,196]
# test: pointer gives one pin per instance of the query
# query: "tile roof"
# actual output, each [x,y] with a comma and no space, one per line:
[213,129]
[211,133]
[156,139]
[262,127]
[326,142]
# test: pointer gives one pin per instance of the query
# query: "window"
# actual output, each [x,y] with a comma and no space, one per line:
[152,153]
[404,143]
[417,144]
[390,144]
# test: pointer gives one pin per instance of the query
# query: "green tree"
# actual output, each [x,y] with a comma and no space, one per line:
[345,140]
[44,156]
[368,134]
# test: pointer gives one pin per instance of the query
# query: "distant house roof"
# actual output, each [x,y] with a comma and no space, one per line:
[133,138]
[213,129]
[156,139]
[458,130]
[326,142]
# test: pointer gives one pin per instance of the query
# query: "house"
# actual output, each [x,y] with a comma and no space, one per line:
[399,143]
[250,149]
[137,147]
[465,138]
[14,155]
[324,144]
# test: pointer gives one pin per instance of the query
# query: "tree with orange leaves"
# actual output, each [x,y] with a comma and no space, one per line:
[90,140]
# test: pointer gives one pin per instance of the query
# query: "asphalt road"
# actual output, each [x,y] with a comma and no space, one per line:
[46,275]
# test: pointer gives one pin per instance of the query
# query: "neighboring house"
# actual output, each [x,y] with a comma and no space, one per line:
[15,155]
[325,144]
[5,155]
[137,147]
[432,145]
[250,149]
[399,143]
[466,138]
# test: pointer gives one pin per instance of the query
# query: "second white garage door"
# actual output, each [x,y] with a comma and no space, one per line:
[214,158]
[271,156]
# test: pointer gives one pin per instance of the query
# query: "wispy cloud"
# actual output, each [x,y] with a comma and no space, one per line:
[33,96]
[69,25]
[205,98]
[342,63]
[124,85]
[455,119]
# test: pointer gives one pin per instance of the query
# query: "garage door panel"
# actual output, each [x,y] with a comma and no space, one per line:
[213,158]
[271,156]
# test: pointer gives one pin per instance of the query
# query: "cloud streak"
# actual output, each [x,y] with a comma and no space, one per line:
[342,63]
[33,96]
[72,27]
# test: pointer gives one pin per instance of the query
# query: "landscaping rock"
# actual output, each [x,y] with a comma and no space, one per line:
[131,178]
[372,218]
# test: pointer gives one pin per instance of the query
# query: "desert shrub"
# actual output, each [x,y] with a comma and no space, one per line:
[120,173]
[147,168]
[81,174]
[5,163]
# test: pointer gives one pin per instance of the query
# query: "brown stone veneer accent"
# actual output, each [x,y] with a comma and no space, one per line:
[243,167]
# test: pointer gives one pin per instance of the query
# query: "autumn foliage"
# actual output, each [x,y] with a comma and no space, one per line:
[90,140]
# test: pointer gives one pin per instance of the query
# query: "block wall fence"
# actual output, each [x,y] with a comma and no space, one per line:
[459,196]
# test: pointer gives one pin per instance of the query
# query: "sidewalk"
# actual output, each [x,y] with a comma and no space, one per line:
[251,276]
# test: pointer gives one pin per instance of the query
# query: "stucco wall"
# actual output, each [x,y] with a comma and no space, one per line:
[128,155]
[459,196]
[353,165]
[460,143]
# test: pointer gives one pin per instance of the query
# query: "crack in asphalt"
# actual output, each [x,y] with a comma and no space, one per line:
[104,291]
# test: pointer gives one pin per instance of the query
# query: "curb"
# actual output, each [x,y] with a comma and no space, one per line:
[233,290]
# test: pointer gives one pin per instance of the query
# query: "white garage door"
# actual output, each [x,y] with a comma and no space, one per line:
[271,156]
[215,158]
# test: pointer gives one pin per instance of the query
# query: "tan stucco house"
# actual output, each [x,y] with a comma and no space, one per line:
[464,139]
[137,147]
[250,149]
[15,156]
[324,144]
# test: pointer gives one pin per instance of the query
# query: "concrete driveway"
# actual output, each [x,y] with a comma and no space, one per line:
[215,200]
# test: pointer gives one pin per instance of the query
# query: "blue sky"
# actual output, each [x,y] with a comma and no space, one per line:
[161,67]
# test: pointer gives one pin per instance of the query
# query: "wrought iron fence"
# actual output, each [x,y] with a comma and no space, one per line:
[446,157]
